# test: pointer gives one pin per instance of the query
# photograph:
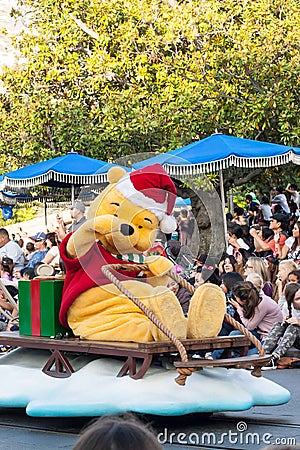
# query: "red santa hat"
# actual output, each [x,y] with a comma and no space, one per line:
[152,189]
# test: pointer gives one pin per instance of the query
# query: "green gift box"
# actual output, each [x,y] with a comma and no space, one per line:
[39,304]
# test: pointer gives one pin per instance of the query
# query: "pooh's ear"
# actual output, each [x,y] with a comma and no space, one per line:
[115,174]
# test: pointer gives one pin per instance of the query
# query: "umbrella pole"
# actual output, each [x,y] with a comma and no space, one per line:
[45,211]
[223,201]
[72,194]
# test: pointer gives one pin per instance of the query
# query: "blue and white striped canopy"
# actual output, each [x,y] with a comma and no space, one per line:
[65,171]
[220,152]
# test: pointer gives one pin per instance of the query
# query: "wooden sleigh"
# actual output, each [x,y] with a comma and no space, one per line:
[138,356]
[188,365]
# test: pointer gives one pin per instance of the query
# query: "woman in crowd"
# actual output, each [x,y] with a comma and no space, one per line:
[255,264]
[285,267]
[241,257]
[291,248]
[257,313]
[52,256]
[228,281]
[285,334]
[274,244]
[229,264]
[272,267]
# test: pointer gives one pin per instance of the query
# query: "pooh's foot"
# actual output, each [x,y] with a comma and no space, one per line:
[206,312]
[165,305]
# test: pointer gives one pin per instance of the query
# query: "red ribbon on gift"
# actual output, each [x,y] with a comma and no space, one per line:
[35,307]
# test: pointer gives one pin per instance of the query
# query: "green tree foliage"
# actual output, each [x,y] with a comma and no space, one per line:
[111,77]
[20,214]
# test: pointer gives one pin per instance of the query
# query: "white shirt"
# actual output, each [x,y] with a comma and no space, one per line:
[281,199]
[295,312]
[13,250]
[242,244]
[54,251]
[296,198]
[266,211]
[295,255]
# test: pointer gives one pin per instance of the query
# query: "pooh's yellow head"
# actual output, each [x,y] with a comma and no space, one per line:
[125,220]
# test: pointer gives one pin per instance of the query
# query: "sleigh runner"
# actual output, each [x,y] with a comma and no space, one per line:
[138,356]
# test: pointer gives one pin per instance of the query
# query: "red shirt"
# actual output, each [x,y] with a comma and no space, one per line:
[272,246]
[85,273]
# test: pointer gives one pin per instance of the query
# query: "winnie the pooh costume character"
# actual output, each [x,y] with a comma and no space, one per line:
[121,224]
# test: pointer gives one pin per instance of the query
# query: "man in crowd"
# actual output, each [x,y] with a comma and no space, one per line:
[11,249]
[281,200]
[78,217]
[39,254]
[277,225]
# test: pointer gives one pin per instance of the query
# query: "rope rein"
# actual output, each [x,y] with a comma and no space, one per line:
[183,372]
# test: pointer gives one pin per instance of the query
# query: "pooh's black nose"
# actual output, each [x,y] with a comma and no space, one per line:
[127,230]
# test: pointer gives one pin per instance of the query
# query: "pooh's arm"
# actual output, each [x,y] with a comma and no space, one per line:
[82,240]
[158,268]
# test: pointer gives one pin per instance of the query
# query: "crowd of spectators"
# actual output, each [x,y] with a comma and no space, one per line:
[256,271]
[259,264]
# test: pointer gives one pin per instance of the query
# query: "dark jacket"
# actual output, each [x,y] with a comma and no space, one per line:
[184,298]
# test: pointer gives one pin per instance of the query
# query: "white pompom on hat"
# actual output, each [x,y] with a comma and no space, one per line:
[151,188]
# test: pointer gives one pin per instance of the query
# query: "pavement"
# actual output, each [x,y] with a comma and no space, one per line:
[31,227]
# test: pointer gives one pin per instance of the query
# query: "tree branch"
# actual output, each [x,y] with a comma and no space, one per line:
[84,27]
[245,179]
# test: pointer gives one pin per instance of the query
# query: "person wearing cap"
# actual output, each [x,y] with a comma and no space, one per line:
[11,249]
[78,218]
[40,250]
[277,225]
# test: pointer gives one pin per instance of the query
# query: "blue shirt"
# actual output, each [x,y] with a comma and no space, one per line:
[36,257]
